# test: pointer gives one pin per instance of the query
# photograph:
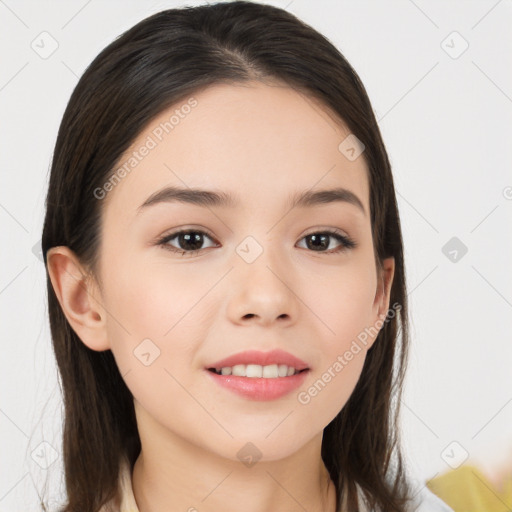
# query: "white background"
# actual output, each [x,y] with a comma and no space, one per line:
[447,126]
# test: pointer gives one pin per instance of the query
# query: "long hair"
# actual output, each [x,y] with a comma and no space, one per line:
[157,63]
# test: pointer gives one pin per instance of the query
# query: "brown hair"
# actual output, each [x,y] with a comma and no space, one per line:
[155,64]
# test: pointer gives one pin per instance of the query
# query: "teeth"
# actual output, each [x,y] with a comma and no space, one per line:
[271,371]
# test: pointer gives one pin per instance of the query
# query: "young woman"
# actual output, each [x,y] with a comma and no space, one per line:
[226,282]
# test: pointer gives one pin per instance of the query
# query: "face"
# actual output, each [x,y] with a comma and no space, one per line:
[251,274]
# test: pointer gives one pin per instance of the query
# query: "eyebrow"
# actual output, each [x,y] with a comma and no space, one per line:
[210,198]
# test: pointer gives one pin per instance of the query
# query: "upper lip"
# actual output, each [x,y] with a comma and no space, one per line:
[261,358]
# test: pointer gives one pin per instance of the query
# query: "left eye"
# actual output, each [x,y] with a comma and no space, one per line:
[321,240]
[190,241]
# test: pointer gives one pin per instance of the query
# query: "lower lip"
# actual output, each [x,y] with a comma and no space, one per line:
[258,388]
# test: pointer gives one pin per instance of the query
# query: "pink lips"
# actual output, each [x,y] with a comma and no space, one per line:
[255,388]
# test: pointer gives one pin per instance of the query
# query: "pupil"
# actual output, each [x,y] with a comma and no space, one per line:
[194,240]
[324,243]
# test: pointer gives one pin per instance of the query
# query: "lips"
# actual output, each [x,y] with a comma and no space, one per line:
[260,358]
[258,389]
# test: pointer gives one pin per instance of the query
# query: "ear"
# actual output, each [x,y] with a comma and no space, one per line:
[383,292]
[79,297]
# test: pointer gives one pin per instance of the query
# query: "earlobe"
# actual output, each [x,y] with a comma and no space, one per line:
[78,296]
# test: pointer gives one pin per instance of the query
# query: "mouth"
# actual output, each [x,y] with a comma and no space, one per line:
[257,375]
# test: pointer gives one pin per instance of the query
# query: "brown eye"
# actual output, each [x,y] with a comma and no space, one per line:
[188,241]
[319,241]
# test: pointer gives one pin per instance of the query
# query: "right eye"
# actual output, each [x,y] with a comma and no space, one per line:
[190,241]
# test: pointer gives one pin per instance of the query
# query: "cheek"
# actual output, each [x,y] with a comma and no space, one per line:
[327,392]
[154,332]
[152,312]
[343,303]
[149,299]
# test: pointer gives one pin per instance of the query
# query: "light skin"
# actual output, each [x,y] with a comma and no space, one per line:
[262,143]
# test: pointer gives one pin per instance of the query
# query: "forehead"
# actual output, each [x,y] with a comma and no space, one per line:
[260,142]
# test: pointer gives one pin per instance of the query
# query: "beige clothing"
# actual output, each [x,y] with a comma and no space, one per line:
[128,503]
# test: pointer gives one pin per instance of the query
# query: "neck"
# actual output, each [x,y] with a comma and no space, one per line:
[173,475]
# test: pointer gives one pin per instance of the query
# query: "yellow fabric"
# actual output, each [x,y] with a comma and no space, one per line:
[466,489]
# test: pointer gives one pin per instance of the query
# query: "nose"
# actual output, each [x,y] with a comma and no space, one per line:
[263,292]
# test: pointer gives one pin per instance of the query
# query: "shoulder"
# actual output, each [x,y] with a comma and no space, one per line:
[427,501]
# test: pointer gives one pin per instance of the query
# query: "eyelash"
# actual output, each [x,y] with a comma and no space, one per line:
[346,242]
